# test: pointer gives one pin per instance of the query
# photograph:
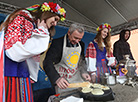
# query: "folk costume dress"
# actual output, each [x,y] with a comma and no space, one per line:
[98,61]
[23,43]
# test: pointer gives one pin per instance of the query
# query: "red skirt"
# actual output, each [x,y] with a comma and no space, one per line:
[18,89]
[102,70]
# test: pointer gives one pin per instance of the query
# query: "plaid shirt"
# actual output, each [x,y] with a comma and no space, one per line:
[91,58]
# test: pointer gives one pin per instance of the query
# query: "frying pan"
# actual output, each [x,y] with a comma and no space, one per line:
[107,96]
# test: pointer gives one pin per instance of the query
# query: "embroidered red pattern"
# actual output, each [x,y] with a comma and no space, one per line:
[91,51]
[26,15]
[19,30]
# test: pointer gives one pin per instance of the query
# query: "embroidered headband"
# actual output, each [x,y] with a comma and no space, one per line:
[52,7]
[104,25]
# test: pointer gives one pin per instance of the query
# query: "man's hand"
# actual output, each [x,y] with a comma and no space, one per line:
[62,83]
[93,76]
[86,76]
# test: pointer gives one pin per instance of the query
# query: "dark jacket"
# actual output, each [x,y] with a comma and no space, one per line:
[122,47]
[54,55]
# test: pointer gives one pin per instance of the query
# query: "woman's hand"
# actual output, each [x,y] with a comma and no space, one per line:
[86,76]
[62,83]
[42,23]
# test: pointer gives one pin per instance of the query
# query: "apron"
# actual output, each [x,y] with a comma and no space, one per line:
[68,66]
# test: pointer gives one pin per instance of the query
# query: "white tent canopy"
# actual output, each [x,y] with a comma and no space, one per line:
[91,13]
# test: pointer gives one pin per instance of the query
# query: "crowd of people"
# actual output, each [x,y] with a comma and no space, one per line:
[26,34]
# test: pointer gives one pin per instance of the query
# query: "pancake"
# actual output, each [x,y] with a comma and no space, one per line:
[86,89]
[97,92]
[96,85]
[105,87]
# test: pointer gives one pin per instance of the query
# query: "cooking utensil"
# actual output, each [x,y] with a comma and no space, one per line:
[63,95]
[76,85]
[107,96]
[129,64]
[70,94]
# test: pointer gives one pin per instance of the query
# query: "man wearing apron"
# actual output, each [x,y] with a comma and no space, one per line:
[65,62]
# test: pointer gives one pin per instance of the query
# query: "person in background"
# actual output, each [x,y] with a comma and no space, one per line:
[99,57]
[122,47]
[65,61]
[26,35]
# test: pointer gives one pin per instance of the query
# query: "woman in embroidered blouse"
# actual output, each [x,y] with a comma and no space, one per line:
[98,54]
[26,36]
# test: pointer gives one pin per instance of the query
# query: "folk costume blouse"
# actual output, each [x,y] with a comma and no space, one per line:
[94,57]
[23,43]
